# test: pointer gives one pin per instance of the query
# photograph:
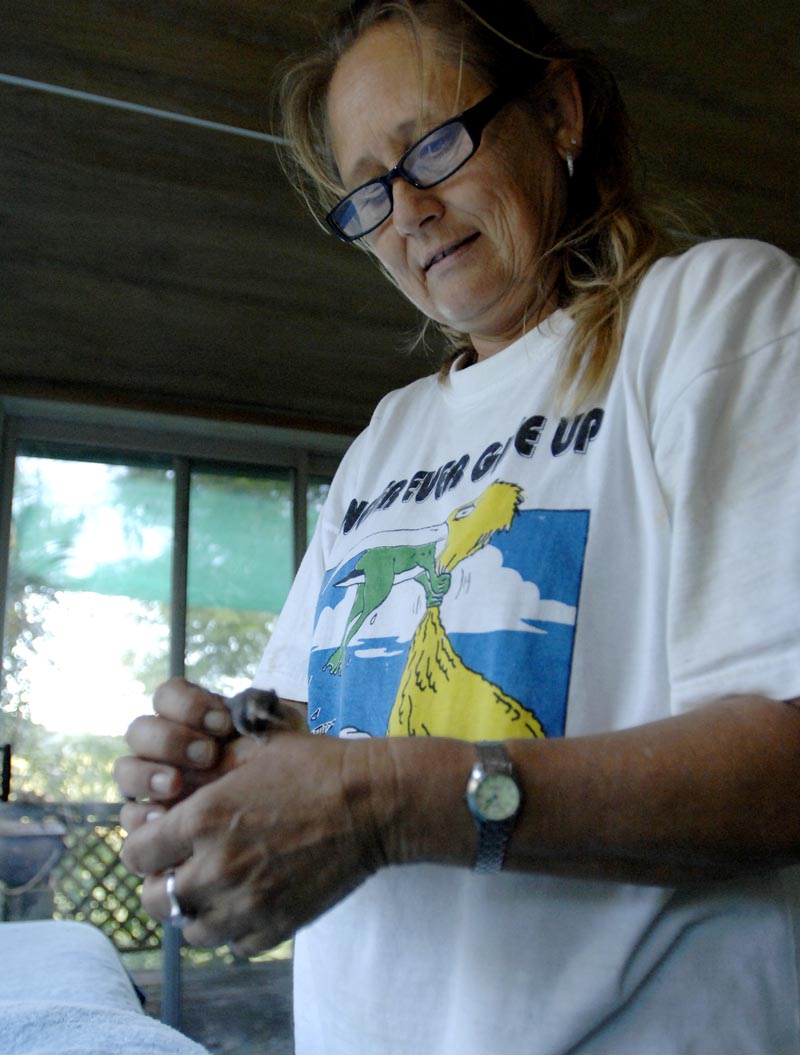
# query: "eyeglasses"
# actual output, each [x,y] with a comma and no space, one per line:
[429,161]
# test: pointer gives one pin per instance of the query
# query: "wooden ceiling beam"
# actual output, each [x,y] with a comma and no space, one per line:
[164,265]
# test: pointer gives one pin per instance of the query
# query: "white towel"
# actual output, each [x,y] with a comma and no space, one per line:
[45,1028]
[64,991]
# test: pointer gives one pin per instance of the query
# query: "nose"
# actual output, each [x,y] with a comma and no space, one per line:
[414,207]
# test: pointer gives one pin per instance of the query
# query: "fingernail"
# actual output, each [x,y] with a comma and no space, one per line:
[200,751]
[217,721]
[154,815]
[161,782]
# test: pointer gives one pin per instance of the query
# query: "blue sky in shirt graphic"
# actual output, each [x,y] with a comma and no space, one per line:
[510,614]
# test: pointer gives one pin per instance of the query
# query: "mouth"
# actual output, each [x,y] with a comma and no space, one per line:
[448,250]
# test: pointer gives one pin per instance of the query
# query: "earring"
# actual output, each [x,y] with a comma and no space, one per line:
[570,158]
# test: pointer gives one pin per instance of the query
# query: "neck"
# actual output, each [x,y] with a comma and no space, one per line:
[486,345]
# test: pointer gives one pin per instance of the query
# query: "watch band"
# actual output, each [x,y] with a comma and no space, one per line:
[494,757]
[493,835]
[493,839]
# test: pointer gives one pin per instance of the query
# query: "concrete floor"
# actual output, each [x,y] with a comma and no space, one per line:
[236,1009]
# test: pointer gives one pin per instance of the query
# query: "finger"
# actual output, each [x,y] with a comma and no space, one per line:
[140,779]
[188,704]
[163,740]
[134,814]
[259,941]
[156,900]
[160,845]
[199,933]
[234,926]
[243,750]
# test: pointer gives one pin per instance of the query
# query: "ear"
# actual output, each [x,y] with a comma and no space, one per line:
[566,108]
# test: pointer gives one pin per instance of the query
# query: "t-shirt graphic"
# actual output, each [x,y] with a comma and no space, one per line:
[463,629]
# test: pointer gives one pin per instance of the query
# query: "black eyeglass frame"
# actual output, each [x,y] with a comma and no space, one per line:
[474,120]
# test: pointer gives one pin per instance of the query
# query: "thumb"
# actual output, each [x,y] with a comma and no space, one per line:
[163,842]
[239,751]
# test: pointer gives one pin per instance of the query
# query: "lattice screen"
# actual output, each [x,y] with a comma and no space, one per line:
[90,882]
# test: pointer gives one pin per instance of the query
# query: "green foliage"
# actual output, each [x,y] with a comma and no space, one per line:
[58,767]
[240,534]
[51,535]
[318,488]
[223,646]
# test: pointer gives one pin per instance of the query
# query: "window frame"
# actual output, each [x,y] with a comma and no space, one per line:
[76,430]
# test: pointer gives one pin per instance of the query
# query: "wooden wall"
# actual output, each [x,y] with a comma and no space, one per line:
[147,263]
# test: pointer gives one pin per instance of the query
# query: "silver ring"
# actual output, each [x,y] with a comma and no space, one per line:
[177,917]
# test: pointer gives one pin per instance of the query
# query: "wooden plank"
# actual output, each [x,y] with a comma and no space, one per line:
[162,260]
[201,57]
[713,90]
[165,266]
[714,96]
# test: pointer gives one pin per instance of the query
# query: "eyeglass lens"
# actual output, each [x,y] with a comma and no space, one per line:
[430,161]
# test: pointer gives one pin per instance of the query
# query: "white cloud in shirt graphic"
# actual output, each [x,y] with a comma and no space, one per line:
[506,602]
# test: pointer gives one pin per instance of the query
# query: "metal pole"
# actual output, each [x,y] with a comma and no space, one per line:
[5,787]
[171,937]
[300,506]
[8,458]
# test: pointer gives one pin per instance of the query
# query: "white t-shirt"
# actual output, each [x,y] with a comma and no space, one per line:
[487,566]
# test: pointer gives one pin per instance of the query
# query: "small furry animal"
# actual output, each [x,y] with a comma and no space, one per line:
[256,712]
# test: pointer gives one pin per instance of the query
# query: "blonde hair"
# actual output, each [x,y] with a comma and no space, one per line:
[608,240]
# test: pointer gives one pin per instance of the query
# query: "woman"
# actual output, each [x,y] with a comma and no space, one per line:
[576,545]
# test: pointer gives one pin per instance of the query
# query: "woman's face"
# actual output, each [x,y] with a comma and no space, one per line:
[466,252]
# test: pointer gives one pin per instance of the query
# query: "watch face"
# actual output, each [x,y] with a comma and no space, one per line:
[497,797]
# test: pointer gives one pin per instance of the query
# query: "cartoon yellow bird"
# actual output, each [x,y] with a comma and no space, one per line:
[438,694]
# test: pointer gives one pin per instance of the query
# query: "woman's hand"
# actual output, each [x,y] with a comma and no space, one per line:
[175,750]
[284,834]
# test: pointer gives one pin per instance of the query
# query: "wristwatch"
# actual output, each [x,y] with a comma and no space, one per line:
[494,798]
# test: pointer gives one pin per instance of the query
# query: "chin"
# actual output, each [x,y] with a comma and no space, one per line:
[467,307]
[462,312]
[464,321]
